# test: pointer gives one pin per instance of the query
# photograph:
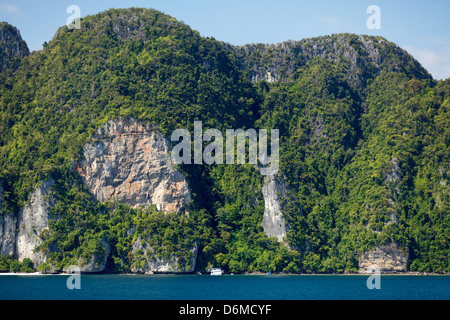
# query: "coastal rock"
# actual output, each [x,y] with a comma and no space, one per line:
[19,233]
[31,220]
[388,258]
[146,261]
[273,222]
[129,162]
[97,262]
[8,223]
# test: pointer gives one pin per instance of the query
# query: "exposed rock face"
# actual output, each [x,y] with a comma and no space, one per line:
[386,258]
[32,219]
[8,224]
[273,222]
[12,47]
[19,234]
[144,261]
[129,162]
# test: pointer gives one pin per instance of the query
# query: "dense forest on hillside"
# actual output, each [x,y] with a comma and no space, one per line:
[364,145]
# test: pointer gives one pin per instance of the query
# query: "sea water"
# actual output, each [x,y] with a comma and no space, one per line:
[234,287]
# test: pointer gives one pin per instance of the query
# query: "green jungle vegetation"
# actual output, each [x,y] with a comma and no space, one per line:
[364,150]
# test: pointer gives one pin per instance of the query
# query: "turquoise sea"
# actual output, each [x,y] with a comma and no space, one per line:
[233,287]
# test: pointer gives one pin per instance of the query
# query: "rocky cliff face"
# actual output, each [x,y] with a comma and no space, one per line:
[387,258]
[273,222]
[8,224]
[19,234]
[12,47]
[129,162]
[31,221]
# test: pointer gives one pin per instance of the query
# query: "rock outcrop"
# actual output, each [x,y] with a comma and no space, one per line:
[129,162]
[12,47]
[32,220]
[388,258]
[97,262]
[8,223]
[273,223]
[145,261]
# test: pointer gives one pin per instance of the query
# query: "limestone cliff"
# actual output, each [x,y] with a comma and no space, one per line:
[129,162]
[273,223]
[19,233]
[388,258]
[8,224]
[31,221]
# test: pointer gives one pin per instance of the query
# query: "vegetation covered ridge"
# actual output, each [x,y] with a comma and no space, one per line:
[364,147]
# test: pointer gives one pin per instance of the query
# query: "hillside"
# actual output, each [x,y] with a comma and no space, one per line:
[87,178]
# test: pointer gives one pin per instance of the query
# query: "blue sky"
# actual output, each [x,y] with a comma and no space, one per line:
[420,27]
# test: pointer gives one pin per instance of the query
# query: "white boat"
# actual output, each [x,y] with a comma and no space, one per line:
[216,272]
